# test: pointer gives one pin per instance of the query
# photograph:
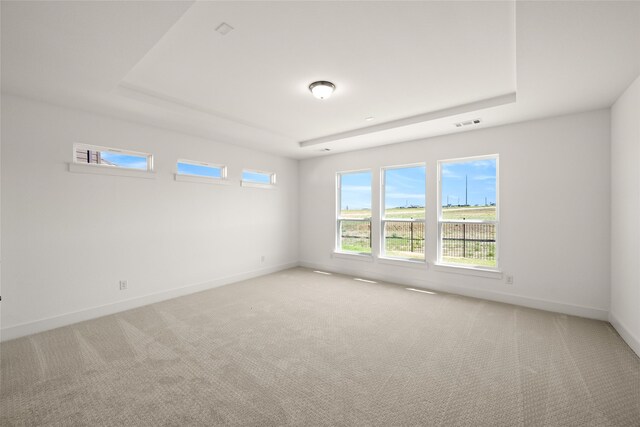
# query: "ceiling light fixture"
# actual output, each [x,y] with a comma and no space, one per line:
[368,118]
[322,89]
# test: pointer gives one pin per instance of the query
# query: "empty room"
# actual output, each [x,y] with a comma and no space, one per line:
[320,213]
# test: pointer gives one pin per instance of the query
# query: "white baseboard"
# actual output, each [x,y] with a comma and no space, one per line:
[46,324]
[554,306]
[632,340]
[107,309]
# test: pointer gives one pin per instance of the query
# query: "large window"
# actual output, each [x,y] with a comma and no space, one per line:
[403,195]
[468,217]
[354,212]
[112,157]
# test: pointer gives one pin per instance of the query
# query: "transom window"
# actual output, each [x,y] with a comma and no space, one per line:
[354,212]
[201,169]
[258,178]
[403,217]
[468,212]
[112,157]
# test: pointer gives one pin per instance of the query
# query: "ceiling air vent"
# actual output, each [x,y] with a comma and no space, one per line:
[467,123]
[224,28]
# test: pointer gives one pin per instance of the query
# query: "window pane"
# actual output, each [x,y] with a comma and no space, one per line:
[199,170]
[404,192]
[404,239]
[355,236]
[108,158]
[259,177]
[124,160]
[355,195]
[468,190]
[469,243]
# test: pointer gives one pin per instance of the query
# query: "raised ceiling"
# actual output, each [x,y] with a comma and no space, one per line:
[416,67]
[388,61]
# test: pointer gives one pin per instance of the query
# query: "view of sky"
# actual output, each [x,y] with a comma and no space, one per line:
[125,160]
[404,187]
[480,178]
[261,178]
[356,191]
[208,171]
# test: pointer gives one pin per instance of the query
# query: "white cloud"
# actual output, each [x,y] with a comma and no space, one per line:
[405,196]
[483,177]
[356,188]
[448,173]
[483,163]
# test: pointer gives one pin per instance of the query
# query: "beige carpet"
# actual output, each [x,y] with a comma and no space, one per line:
[301,348]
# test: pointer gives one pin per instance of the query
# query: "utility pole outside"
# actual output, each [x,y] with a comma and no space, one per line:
[466,191]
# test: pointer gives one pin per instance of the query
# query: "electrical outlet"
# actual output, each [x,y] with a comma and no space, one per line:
[123,285]
[509,279]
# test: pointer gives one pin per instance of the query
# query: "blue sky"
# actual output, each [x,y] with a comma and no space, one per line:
[199,170]
[356,191]
[125,160]
[262,178]
[140,162]
[404,187]
[481,178]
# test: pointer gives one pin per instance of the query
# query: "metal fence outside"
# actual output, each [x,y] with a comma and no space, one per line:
[469,240]
[460,240]
[404,238]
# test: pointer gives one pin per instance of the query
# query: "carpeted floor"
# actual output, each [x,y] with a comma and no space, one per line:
[301,348]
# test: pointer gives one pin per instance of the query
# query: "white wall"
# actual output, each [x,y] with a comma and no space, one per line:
[625,221]
[554,208]
[68,238]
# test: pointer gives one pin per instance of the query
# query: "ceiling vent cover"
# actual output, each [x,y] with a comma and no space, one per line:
[468,123]
[224,28]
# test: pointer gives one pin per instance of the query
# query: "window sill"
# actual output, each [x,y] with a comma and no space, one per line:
[107,170]
[201,179]
[353,256]
[404,262]
[257,185]
[469,271]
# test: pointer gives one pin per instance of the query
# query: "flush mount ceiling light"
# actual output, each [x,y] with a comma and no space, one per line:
[322,89]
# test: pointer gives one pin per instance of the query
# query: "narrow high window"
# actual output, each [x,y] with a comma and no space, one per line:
[468,212]
[112,157]
[354,212]
[201,169]
[254,178]
[403,213]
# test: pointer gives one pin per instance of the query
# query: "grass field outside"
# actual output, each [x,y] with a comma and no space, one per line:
[485,213]
[475,246]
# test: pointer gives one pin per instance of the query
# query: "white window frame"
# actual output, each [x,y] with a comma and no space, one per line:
[441,221]
[246,183]
[103,169]
[383,218]
[200,178]
[338,246]
[148,156]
